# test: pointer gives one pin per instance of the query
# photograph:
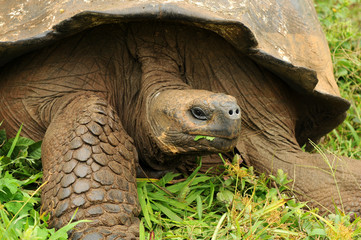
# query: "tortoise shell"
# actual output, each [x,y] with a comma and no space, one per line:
[283,36]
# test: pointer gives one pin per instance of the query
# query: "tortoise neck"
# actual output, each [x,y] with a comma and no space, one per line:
[155,48]
[158,77]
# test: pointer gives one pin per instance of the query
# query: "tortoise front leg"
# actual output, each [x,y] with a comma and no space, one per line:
[323,179]
[89,163]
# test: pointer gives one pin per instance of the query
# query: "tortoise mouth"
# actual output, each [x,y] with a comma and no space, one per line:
[214,143]
[211,137]
[181,143]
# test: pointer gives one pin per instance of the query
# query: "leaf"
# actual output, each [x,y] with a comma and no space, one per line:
[225,196]
[344,62]
[144,207]
[182,188]
[318,232]
[165,199]
[285,232]
[32,178]
[356,120]
[22,141]
[2,136]
[13,206]
[168,212]
[42,233]
[141,230]
[211,195]
[5,160]
[62,233]
[220,222]
[199,179]
[209,138]
[4,217]
[341,72]
[199,207]
[353,132]
[192,196]
[7,181]
[290,214]
[14,142]
[35,150]
[169,176]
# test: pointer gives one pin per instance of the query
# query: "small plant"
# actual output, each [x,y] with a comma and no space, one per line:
[235,205]
[20,156]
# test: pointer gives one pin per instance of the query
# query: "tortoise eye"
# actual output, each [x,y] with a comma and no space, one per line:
[198,113]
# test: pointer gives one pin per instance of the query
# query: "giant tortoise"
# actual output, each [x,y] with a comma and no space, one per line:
[110,84]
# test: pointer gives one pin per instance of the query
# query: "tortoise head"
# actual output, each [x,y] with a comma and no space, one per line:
[194,121]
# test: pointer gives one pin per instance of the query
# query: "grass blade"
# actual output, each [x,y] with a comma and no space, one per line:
[199,207]
[168,212]
[141,230]
[14,142]
[220,222]
[144,207]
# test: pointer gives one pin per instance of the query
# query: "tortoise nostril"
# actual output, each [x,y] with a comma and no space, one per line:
[231,110]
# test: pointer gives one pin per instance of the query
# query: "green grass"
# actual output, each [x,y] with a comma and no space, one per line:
[342,24]
[237,204]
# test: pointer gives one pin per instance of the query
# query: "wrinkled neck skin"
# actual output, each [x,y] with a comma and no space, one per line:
[160,67]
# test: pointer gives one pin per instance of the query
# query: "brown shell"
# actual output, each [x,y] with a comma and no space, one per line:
[283,35]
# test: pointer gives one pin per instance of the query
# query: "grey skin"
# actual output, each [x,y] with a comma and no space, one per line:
[114,95]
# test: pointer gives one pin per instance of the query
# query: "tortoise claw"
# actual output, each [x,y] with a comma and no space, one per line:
[119,232]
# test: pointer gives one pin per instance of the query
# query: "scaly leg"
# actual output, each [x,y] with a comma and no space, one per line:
[89,162]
